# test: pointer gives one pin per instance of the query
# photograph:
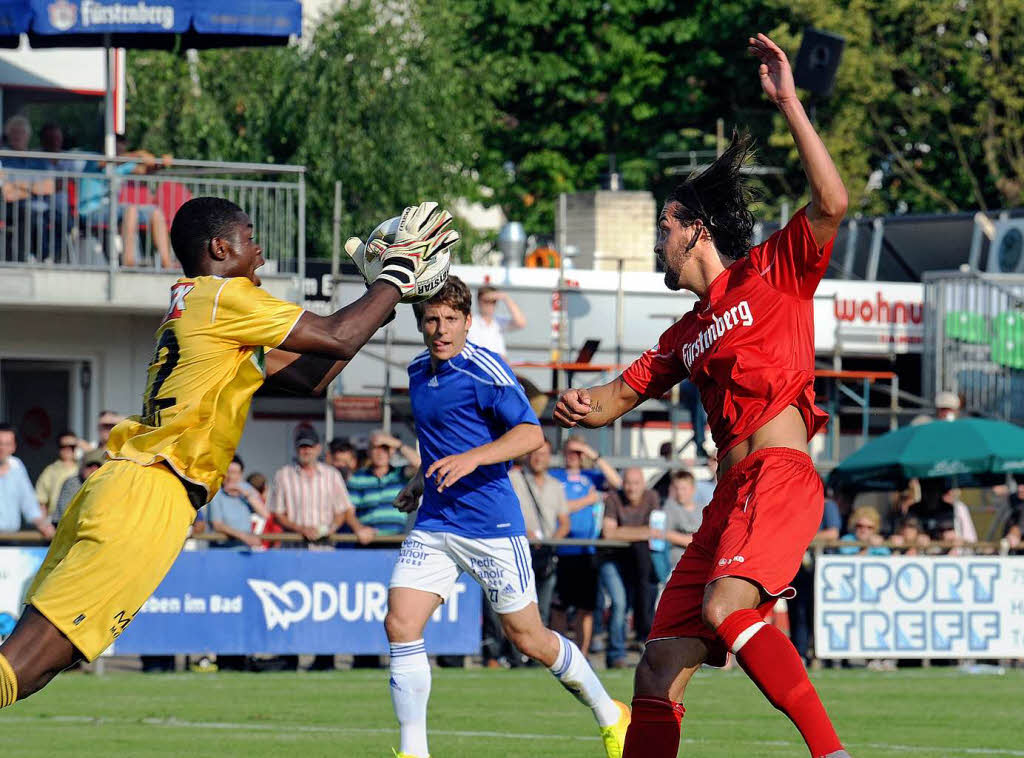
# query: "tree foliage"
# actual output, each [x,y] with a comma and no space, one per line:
[375,99]
[926,115]
[576,81]
[411,100]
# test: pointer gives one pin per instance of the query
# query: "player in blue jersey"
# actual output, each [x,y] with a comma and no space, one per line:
[472,418]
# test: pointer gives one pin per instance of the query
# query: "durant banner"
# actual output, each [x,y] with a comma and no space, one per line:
[933,607]
[288,601]
[279,601]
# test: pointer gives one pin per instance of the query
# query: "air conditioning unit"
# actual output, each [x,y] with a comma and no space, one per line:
[1006,253]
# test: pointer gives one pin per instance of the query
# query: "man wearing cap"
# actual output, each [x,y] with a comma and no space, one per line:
[104,425]
[309,497]
[373,489]
[90,462]
[947,406]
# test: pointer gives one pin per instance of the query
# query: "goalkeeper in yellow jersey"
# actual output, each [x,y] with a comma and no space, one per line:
[221,339]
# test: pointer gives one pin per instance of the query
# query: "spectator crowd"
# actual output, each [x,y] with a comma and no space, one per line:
[619,534]
[51,203]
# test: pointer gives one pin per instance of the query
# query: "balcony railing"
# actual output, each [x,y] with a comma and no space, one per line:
[81,210]
[974,340]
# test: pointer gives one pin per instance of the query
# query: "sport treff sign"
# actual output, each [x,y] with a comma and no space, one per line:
[930,607]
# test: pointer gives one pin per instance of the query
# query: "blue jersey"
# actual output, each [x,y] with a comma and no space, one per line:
[586,523]
[467,402]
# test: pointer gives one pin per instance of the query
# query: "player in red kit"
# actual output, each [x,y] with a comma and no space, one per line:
[748,345]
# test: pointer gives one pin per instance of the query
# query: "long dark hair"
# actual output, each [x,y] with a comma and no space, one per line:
[719,198]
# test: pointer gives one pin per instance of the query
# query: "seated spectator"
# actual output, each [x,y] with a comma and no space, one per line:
[373,489]
[488,328]
[910,536]
[864,527]
[49,483]
[31,202]
[17,498]
[628,574]
[91,462]
[343,457]
[546,514]
[230,511]
[933,507]
[900,504]
[94,203]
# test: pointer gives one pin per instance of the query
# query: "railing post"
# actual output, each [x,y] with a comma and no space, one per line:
[301,264]
[865,415]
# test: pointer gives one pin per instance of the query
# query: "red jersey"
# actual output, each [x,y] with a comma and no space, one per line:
[748,344]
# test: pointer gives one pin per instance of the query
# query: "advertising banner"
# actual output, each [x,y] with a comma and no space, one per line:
[919,607]
[279,601]
[18,567]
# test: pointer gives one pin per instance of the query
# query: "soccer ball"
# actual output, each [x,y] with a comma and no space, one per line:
[428,283]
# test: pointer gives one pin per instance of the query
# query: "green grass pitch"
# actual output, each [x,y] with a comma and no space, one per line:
[496,714]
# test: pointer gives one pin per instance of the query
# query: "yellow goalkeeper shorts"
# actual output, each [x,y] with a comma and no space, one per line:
[113,547]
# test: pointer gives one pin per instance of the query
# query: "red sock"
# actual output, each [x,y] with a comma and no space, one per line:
[654,728]
[770,659]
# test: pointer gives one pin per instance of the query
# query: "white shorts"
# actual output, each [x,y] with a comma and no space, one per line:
[433,561]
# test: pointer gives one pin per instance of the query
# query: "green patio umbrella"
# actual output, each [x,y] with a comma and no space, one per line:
[973,452]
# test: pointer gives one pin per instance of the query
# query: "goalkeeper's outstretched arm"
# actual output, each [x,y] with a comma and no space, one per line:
[596,406]
[341,334]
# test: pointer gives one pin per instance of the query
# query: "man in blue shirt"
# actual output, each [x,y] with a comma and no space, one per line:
[472,418]
[577,565]
[17,497]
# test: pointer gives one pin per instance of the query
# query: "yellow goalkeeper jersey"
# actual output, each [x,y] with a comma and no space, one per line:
[209,360]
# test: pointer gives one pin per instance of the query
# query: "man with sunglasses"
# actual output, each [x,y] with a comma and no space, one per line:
[49,483]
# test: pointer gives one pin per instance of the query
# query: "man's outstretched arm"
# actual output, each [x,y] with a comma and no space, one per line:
[828,195]
[319,347]
[596,406]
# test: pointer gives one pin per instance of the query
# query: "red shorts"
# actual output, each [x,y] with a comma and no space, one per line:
[765,511]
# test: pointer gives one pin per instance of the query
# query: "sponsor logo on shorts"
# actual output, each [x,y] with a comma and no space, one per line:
[412,553]
[79,620]
[488,570]
[121,622]
[508,589]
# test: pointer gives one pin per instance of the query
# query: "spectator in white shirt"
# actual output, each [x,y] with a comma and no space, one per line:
[488,327]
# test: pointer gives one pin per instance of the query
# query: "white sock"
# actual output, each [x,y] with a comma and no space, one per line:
[573,670]
[410,690]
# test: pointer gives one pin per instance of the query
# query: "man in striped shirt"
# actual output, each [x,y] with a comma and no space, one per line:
[373,489]
[310,498]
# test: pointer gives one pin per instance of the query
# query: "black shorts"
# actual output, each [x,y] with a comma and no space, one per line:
[577,582]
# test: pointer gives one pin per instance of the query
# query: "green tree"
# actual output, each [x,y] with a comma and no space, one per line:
[926,114]
[578,80]
[375,99]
